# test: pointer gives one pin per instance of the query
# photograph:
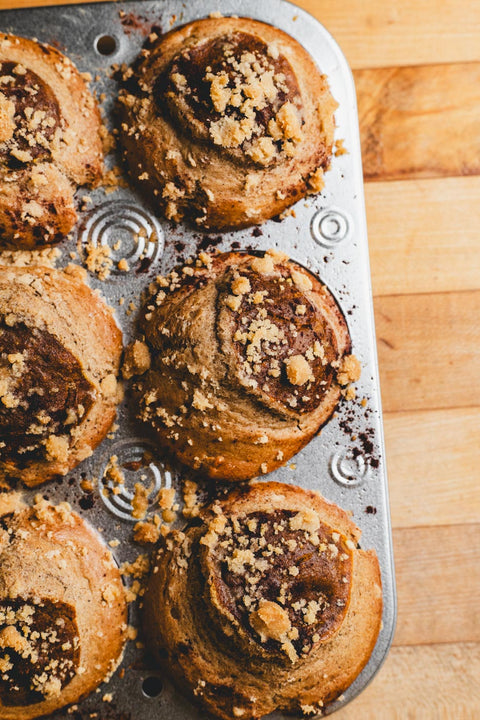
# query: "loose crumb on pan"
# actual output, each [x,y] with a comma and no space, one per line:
[137,359]
[138,571]
[98,260]
[146,533]
[339,148]
[140,501]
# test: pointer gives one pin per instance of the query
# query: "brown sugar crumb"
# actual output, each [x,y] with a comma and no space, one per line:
[109,385]
[349,392]
[200,402]
[145,533]
[301,281]
[305,520]
[137,359]
[270,621]
[114,474]
[132,632]
[311,709]
[240,285]
[190,499]
[7,122]
[339,148]
[316,181]
[238,711]
[98,260]
[286,125]
[233,302]
[137,569]
[140,501]
[166,498]
[113,179]
[262,151]
[57,447]
[256,86]
[123,265]
[169,516]
[46,512]
[88,484]
[349,371]
[288,212]
[230,133]
[263,266]
[299,371]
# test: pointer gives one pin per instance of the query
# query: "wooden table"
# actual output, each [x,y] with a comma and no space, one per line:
[417,69]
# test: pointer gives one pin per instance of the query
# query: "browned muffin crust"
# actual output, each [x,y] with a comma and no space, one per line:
[60,352]
[50,142]
[264,602]
[249,359]
[62,609]
[227,121]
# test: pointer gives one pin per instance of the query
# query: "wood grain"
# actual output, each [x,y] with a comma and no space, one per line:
[378,33]
[381,33]
[423,235]
[414,121]
[436,682]
[428,350]
[433,466]
[438,584]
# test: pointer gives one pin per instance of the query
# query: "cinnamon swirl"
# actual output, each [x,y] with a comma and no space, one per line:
[49,142]
[264,602]
[62,609]
[60,352]
[249,358]
[227,121]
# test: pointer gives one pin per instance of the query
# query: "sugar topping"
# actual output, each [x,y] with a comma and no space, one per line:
[284,576]
[243,92]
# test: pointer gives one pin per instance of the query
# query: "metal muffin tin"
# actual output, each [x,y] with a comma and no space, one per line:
[327,234]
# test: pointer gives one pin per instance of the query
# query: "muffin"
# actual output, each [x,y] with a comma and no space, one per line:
[249,357]
[60,351]
[264,602]
[63,612]
[50,142]
[226,121]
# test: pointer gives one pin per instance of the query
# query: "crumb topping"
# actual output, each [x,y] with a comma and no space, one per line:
[137,359]
[270,621]
[284,348]
[284,576]
[241,94]
[349,370]
[31,126]
[44,394]
[39,649]
[299,371]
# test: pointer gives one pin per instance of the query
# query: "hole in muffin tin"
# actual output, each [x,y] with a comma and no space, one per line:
[348,468]
[152,686]
[105,44]
[330,226]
